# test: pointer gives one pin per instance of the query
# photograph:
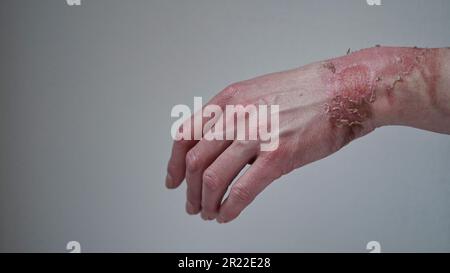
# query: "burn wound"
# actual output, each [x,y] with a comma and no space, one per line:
[350,103]
[354,80]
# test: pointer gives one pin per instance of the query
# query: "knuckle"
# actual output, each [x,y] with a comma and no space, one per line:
[274,158]
[210,180]
[192,161]
[242,143]
[275,167]
[245,145]
[231,91]
[241,193]
[184,133]
[269,159]
[263,101]
[179,136]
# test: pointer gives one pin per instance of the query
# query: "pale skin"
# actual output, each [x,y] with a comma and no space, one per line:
[323,107]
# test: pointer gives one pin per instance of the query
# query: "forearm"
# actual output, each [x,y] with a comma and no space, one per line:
[392,86]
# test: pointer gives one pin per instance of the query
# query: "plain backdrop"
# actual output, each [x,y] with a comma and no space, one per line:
[85,100]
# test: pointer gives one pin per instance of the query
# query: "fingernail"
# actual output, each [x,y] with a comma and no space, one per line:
[190,209]
[169,181]
[203,216]
[220,220]
[206,217]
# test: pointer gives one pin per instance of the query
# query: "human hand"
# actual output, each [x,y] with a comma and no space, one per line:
[322,107]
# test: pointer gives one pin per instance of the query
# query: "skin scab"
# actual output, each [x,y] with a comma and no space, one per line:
[350,104]
[359,78]
[345,112]
[330,66]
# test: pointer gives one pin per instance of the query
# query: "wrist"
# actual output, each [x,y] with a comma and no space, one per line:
[409,92]
[391,86]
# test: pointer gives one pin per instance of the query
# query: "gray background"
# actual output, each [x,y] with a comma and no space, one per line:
[85,100]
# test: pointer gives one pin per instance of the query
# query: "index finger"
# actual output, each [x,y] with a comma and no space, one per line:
[176,167]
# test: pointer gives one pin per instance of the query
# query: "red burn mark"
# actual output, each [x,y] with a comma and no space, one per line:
[350,105]
[353,82]
[355,79]
[401,63]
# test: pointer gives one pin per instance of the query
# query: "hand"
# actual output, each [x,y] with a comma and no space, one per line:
[322,107]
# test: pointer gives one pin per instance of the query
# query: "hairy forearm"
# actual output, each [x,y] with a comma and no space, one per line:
[390,86]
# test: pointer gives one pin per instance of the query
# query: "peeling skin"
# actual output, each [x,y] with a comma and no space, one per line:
[330,66]
[322,107]
[349,106]
[358,80]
